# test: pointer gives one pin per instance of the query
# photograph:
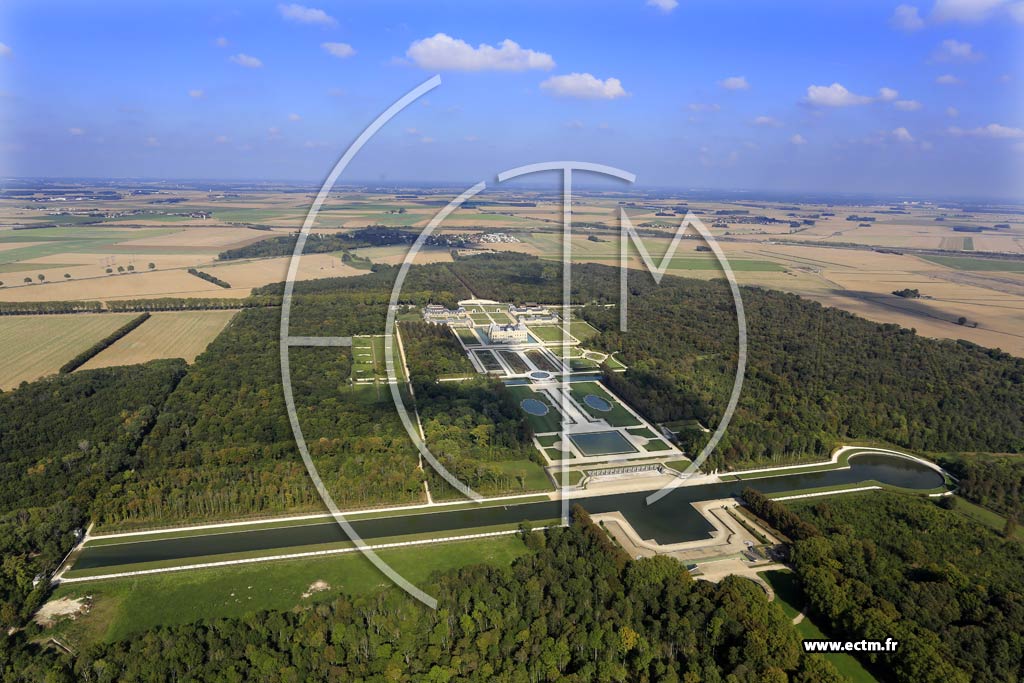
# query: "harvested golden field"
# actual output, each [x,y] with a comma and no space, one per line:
[151,284]
[396,254]
[214,239]
[258,272]
[172,334]
[37,345]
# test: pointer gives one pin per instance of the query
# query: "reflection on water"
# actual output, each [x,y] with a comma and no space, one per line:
[671,520]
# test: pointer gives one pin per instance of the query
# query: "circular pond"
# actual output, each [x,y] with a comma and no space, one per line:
[540,374]
[597,403]
[534,407]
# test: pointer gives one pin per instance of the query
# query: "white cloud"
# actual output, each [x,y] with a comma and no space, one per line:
[426,140]
[471,138]
[584,86]
[888,94]
[442,52]
[222,139]
[575,124]
[964,10]
[273,132]
[703,106]
[907,105]
[948,79]
[76,131]
[294,117]
[664,5]
[902,135]
[956,51]
[247,61]
[5,50]
[152,142]
[767,121]
[340,50]
[834,95]
[952,112]
[735,83]
[1017,12]
[798,139]
[992,130]
[305,15]
[221,41]
[906,18]
[196,93]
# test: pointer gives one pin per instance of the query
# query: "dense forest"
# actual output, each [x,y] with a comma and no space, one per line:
[815,376]
[62,441]
[996,484]
[223,446]
[329,243]
[575,610]
[469,425]
[949,589]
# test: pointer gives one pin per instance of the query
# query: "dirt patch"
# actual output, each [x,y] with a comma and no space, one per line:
[316,587]
[49,613]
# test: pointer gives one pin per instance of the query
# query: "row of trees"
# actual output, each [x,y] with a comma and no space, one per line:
[209,278]
[778,515]
[105,343]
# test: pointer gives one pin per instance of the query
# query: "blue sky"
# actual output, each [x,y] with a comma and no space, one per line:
[922,98]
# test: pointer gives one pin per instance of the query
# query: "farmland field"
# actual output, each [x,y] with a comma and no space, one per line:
[978,264]
[172,334]
[36,346]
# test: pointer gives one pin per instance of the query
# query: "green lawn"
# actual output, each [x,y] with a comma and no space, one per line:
[541,424]
[124,606]
[546,333]
[984,516]
[582,330]
[973,263]
[790,597]
[530,474]
[616,417]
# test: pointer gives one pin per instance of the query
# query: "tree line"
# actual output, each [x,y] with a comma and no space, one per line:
[103,344]
[209,278]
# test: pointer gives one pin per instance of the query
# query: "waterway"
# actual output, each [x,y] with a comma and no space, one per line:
[671,520]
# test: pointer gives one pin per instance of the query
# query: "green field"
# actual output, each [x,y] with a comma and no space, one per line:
[975,264]
[124,606]
[541,424]
[616,417]
[82,240]
[986,517]
[368,357]
[790,597]
[547,333]
[582,330]
[530,475]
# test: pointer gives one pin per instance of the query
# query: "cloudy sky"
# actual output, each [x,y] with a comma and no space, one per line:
[922,98]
